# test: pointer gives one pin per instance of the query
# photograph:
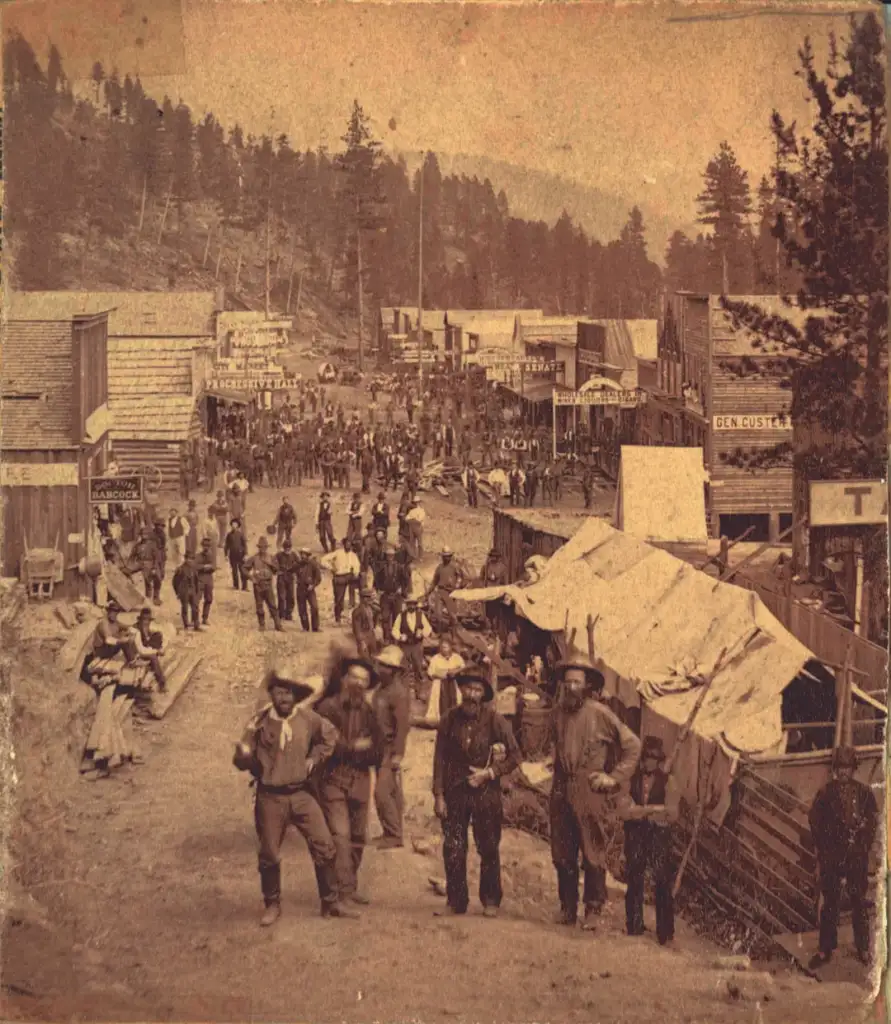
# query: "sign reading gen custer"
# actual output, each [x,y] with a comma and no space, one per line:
[119,490]
[751,421]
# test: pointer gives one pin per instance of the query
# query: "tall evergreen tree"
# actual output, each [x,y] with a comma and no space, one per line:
[725,205]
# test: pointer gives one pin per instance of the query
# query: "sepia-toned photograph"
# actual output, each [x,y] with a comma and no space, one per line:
[443,470]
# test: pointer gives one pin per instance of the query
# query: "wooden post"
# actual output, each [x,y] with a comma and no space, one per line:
[142,204]
[554,424]
[207,246]
[842,700]
[164,216]
[858,596]
[237,273]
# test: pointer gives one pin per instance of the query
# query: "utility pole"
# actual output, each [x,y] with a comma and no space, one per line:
[421,277]
[359,269]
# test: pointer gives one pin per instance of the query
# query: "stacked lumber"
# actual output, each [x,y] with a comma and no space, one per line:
[13,598]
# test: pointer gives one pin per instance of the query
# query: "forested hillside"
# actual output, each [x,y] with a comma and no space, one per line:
[117,188]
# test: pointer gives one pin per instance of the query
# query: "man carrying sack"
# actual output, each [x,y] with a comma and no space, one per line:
[585,733]
[474,747]
[282,746]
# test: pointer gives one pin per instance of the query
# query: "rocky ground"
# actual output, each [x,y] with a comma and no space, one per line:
[137,897]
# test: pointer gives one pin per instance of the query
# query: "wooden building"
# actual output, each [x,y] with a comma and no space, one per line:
[161,350]
[55,436]
[715,388]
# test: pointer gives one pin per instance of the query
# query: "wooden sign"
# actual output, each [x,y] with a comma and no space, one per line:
[117,490]
[751,421]
[848,503]
[600,397]
[39,474]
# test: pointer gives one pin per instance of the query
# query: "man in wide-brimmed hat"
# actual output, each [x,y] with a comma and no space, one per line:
[363,624]
[345,779]
[648,818]
[392,708]
[474,747]
[261,570]
[282,747]
[307,577]
[843,820]
[586,733]
[410,630]
[391,582]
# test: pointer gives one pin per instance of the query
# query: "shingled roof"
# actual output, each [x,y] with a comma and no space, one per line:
[36,386]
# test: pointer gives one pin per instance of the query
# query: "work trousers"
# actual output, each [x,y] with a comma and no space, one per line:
[175,552]
[273,812]
[388,797]
[308,609]
[340,584]
[239,576]
[391,606]
[354,530]
[283,533]
[189,609]
[367,644]
[206,592]
[326,535]
[151,579]
[366,481]
[222,522]
[264,597]
[473,497]
[853,867]
[648,847]
[285,586]
[482,809]
[572,836]
[345,801]
[354,590]
[416,538]
[414,661]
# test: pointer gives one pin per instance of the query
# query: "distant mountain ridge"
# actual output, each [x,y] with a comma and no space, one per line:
[538,195]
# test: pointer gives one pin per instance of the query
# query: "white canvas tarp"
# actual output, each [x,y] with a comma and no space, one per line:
[661,494]
[661,628]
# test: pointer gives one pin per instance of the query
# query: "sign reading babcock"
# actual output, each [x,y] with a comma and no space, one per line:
[118,490]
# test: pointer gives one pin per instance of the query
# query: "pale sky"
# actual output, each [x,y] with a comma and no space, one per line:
[625,99]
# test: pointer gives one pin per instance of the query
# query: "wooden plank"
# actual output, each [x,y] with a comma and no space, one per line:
[162,702]
[128,596]
[71,656]
[753,837]
[795,891]
[760,807]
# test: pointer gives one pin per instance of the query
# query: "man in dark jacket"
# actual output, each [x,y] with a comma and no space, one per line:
[363,625]
[235,549]
[186,587]
[284,521]
[286,562]
[392,706]
[474,747]
[324,525]
[345,781]
[282,746]
[586,733]
[390,581]
[380,514]
[205,563]
[307,577]
[148,553]
[843,820]
[648,819]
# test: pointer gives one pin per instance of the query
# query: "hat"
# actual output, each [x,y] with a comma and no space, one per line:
[347,663]
[446,552]
[325,494]
[365,592]
[304,550]
[493,552]
[287,544]
[652,747]
[593,675]
[113,606]
[845,757]
[144,613]
[390,656]
[390,550]
[235,522]
[262,543]
[294,678]
[381,496]
[206,542]
[468,677]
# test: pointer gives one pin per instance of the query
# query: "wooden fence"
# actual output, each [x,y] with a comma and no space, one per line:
[826,638]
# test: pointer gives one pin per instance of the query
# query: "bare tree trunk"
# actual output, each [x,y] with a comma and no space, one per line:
[359,267]
[725,274]
[290,286]
[164,217]
[85,251]
[142,204]
[219,256]
[237,273]
[207,246]
[299,294]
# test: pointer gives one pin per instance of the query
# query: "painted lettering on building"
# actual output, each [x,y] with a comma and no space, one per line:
[39,474]
[751,421]
[848,502]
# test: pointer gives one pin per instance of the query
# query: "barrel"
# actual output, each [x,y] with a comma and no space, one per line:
[535,731]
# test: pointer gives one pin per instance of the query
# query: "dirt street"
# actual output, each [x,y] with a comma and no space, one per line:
[149,896]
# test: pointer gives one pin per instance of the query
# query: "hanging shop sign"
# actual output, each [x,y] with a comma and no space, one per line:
[848,503]
[751,421]
[605,396]
[117,490]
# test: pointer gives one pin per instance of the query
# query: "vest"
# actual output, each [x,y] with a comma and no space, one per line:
[657,790]
[414,635]
[176,528]
[324,511]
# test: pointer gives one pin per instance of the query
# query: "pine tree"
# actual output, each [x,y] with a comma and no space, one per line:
[725,205]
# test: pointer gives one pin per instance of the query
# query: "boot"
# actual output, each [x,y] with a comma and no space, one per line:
[340,910]
[567,916]
[271,914]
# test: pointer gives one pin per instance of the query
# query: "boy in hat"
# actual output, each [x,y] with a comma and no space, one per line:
[843,820]
[345,780]
[392,707]
[586,733]
[235,549]
[282,746]
[363,625]
[654,808]
[474,747]
[261,570]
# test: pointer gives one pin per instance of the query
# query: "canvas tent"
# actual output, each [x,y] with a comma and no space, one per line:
[662,626]
[660,494]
